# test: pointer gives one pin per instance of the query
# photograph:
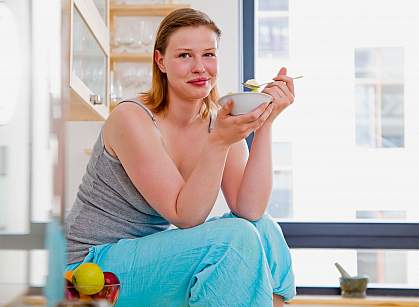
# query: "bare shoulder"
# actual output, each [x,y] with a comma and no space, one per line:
[129,113]
[128,119]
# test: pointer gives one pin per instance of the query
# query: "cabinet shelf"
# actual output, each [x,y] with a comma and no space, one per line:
[144,10]
[131,57]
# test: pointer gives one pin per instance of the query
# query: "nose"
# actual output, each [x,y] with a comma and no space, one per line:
[198,67]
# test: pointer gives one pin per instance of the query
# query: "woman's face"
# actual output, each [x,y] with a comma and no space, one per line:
[190,62]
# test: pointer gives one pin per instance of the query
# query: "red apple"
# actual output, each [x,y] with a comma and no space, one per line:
[110,278]
[70,291]
[110,291]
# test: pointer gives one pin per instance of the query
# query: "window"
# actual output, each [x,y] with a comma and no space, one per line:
[272,29]
[280,204]
[379,95]
[384,266]
[336,194]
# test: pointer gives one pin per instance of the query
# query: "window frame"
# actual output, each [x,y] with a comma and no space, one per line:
[336,235]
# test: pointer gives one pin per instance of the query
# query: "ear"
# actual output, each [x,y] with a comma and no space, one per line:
[158,58]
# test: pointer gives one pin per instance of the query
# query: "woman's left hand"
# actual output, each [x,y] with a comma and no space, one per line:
[282,92]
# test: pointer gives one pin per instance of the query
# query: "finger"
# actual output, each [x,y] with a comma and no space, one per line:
[267,112]
[259,122]
[282,71]
[275,91]
[252,115]
[226,109]
[284,89]
[289,81]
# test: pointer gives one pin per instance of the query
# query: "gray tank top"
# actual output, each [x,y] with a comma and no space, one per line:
[108,207]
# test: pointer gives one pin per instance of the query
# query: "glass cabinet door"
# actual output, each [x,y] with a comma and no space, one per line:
[89,62]
[102,6]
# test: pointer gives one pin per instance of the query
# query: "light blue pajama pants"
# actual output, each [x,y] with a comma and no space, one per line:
[226,261]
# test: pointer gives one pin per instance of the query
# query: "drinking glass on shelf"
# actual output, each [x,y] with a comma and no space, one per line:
[127,75]
[147,34]
[131,79]
[116,90]
[136,33]
[123,37]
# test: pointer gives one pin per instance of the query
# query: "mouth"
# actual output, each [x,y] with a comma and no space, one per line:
[198,81]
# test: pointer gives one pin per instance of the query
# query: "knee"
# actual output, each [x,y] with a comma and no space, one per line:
[267,222]
[237,232]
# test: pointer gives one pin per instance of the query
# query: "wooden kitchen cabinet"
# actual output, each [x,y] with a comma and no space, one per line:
[131,67]
[89,60]
[127,10]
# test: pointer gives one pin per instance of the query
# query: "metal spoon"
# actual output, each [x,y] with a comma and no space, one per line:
[255,87]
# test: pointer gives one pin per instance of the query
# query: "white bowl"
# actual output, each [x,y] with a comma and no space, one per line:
[245,102]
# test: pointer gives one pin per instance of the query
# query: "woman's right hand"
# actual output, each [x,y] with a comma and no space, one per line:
[231,129]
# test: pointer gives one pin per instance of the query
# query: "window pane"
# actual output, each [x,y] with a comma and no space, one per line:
[269,5]
[273,37]
[365,99]
[281,155]
[364,63]
[385,268]
[392,116]
[392,63]
[379,110]
[280,204]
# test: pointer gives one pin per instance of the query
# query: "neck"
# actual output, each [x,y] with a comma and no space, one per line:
[183,112]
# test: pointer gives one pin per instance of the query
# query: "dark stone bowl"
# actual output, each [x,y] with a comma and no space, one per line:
[354,286]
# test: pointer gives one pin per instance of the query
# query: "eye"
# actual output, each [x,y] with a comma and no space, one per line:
[210,54]
[184,55]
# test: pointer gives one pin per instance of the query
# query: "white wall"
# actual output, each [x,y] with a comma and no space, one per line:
[81,136]
[14,186]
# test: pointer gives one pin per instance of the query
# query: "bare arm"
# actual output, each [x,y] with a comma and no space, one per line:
[198,194]
[256,186]
[249,196]
[247,183]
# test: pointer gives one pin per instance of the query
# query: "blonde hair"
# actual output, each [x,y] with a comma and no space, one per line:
[156,98]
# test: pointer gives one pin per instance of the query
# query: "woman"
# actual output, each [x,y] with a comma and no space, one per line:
[160,160]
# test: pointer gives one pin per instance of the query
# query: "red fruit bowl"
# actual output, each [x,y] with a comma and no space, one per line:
[109,293]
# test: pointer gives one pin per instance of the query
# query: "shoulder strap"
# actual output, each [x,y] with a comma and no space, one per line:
[141,104]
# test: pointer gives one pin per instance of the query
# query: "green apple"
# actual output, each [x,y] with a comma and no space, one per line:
[88,278]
